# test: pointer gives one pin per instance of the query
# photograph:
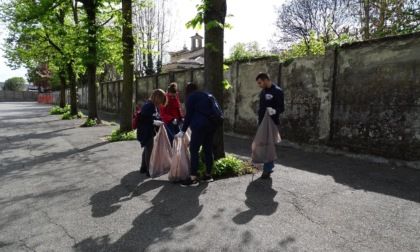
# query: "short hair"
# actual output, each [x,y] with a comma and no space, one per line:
[158,97]
[191,87]
[262,76]
[172,88]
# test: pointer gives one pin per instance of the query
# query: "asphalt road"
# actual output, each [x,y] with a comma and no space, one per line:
[64,188]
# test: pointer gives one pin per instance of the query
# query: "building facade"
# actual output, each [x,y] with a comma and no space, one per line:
[185,59]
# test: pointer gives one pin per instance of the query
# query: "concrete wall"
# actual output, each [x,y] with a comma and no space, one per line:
[377,98]
[18,96]
[242,100]
[300,81]
[363,97]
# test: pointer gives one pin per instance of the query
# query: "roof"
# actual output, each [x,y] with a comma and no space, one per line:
[184,50]
[196,36]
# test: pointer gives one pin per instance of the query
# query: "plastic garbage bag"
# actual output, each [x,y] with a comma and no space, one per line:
[160,159]
[263,146]
[180,164]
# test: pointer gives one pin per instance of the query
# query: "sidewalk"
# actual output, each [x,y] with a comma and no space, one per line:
[63,188]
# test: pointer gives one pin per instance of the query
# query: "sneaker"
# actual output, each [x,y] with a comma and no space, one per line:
[189,182]
[207,178]
[266,174]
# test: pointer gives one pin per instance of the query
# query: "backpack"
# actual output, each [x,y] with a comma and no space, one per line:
[136,117]
[216,116]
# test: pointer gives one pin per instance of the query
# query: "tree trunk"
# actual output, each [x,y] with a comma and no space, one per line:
[213,67]
[91,9]
[62,89]
[128,45]
[73,96]
[366,25]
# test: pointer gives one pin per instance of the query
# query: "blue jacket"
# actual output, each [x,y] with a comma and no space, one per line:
[145,128]
[198,110]
[271,97]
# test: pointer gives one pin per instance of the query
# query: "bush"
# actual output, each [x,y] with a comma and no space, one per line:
[89,123]
[57,110]
[65,112]
[66,116]
[226,167]
[117,136]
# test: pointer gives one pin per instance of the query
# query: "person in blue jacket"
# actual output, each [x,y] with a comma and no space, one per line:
[198,110]
[148,125]
[272,100]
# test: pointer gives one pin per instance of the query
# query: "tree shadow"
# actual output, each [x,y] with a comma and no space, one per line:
[172,207]
[260,200]
[14,165]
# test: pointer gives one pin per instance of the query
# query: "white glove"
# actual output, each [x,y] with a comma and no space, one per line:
[271,111]
[157,123]
[180,134]
[175,122]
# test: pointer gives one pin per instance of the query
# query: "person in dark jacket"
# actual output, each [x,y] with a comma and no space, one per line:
[198,110]
[171,113]
[272,100]
[148,125]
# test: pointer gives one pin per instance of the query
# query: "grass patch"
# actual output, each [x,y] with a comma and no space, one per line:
[116,135]
[112,123]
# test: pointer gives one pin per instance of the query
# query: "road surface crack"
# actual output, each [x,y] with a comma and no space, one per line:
[61,226]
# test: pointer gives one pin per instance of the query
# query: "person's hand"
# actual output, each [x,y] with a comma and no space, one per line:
[175,122]
[180,134]
[157,123]
[271,111]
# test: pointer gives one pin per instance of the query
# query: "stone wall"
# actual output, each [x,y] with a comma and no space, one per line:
[363,97]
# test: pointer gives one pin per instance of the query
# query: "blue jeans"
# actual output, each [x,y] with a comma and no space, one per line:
[172,130]
[202,137]
[268,167]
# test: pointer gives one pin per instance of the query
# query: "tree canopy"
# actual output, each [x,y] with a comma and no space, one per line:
[343,20]
[306,27]
[14,84]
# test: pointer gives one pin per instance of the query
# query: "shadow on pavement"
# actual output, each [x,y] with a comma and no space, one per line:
[401,182]
[259,199]
[15,165]
[172,207]
[107,202]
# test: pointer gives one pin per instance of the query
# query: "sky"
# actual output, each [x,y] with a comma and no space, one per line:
[251,21]
[5,71]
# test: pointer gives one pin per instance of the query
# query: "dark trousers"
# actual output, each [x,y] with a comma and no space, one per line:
[202,137]
[145,158]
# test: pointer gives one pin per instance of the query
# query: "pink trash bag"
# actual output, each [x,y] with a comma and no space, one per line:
[180,164]
[160,159]
[263,147]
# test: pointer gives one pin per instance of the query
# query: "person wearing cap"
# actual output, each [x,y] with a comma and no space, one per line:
[271,100]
